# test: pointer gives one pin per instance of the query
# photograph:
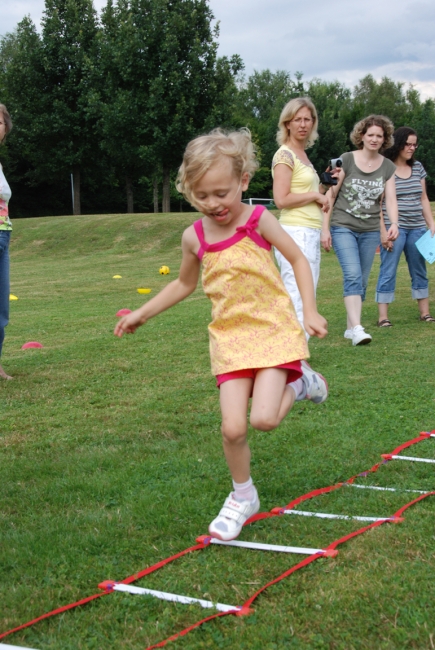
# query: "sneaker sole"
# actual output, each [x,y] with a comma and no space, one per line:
[307,365]
[362,342]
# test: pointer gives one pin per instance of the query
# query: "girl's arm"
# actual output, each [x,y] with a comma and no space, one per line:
[427,212]
[270,229]
[174,292]
[282,195]
[392,209]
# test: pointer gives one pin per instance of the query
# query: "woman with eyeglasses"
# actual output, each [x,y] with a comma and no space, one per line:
[296,191]
[5,233]
[415,217]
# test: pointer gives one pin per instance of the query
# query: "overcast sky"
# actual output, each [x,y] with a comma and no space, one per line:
[342,39]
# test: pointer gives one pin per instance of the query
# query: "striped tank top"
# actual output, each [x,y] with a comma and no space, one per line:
[408,192]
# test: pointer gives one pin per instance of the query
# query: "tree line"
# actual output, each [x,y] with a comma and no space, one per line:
[104,105]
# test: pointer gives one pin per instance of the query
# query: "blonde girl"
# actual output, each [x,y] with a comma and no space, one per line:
[256,341]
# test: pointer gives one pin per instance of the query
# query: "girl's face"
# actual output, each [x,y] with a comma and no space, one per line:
[218,193]
[409,149]
[373,138]
[301,125]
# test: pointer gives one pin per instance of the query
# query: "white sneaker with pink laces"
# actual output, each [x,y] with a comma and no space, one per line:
[229,522]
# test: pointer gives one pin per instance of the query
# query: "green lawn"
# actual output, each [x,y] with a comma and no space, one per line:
[111,459]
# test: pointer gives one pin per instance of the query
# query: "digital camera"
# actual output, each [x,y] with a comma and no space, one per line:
[326,178]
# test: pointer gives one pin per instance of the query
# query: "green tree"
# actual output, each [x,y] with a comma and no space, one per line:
[424,124]
[332,100]
[69,51]
[163,84]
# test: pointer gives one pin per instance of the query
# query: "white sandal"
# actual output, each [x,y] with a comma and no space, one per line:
[231,518]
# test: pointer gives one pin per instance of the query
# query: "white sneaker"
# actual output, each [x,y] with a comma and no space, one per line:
[229,522]
[315,384]
[359,336]
[348,334]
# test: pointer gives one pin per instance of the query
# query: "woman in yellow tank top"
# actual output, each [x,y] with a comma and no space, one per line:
[296,191]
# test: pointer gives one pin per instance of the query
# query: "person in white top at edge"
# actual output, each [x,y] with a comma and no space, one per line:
[5,234]
[297,193]
[365,177]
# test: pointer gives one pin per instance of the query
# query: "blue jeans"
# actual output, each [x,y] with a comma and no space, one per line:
[416,265]
[5,236]
[355,252]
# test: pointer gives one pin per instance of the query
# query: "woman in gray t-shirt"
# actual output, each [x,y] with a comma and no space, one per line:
[355,214]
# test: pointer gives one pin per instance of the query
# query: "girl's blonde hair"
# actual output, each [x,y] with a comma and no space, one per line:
[363,126]
[288,113]
[204,151]
[6,117]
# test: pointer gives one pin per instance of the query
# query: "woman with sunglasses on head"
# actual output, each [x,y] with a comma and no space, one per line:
[5,233]
[296,191]
[415,217]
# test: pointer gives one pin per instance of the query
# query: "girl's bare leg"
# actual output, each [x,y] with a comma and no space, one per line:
[234,399]
[272,398]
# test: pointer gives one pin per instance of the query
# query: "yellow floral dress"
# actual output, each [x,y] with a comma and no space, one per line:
[254,324]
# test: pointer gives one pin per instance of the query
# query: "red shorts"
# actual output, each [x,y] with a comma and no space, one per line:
[294,371]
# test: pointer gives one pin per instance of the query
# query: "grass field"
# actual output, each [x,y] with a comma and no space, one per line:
[111,459]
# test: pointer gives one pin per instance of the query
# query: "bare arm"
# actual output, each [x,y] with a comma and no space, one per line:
[282,195]
[392,209]
[427,211]
[270,229]
[385,242]
[173,293]
[331,195]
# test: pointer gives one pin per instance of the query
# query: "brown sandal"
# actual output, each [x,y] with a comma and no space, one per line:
[427,318]
[384,323]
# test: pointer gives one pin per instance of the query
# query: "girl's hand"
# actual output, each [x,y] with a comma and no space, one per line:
[432,230]
[326,240]
[129,324]
[393,232]
[315,325]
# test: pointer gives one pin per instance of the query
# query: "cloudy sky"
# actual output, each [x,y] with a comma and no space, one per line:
[343,39]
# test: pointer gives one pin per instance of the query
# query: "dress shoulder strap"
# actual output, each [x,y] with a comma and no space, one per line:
[249,229]
[200,234]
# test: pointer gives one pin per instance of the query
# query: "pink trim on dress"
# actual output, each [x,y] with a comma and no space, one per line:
[248,230]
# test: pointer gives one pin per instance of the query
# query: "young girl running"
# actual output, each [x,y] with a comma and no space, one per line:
[256,341]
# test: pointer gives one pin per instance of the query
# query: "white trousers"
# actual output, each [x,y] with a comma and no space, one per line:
[308,240]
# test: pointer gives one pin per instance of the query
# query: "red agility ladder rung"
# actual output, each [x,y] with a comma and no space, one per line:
[163,595]
[4,646]
[324,515]
[386,489]
[411,458]
[256,546]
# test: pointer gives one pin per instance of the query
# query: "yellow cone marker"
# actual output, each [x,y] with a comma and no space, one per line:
[12,297]
[116,277]
[143,290]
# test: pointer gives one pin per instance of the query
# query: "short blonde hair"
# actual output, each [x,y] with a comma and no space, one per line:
[204,151]
[288,113]
[6,117]
[363,126]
